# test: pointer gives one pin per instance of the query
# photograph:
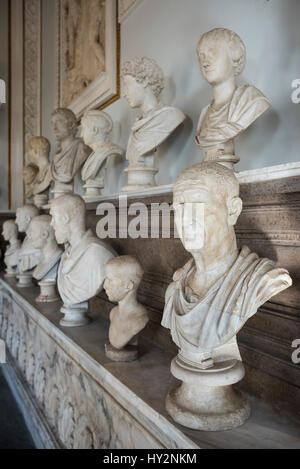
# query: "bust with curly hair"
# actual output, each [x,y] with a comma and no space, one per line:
[143,82]
[222,57]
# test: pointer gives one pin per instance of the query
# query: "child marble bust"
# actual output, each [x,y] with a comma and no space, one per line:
[129,318]
[96,130]
[222,57]
[143,83]
[81,270]
[41,235]
[11,258]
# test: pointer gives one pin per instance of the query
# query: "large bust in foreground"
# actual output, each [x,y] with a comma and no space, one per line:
[222,57]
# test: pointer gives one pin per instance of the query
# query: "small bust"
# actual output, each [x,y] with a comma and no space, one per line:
[220,287]
[28,256]
[39,151]
[96,133]
[81,271]
[30,172]
[10,234]
[41,235]
[122,279]
[222,57]
[143,83]
[71,153]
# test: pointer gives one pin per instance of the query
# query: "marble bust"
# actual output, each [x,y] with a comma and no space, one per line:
[71,153]
[11,258]
[123,276]
[81,271]
[222,57]
[211,298]
[29,256]
[30,172]
[143,83]
[41,235]
[39,151]
[96,129]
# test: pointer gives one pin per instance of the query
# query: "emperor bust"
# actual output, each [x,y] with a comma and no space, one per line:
[222,57]
[212,297]
[71,152]
[143,83]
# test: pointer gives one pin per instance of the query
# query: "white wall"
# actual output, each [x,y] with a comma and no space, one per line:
[168,31]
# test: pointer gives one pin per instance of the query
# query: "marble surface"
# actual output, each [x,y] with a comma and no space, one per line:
[141,386]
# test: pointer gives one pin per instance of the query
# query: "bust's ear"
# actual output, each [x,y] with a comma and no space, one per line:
[27,218]
[129,285]
[235,206]
[65,218]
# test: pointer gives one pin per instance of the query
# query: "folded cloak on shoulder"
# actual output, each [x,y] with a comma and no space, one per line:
[203,324]
[66,163]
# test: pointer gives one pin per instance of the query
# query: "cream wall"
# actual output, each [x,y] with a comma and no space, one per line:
[168,31]
[4,163]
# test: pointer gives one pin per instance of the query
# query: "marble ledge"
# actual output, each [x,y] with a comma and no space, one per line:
[141,386]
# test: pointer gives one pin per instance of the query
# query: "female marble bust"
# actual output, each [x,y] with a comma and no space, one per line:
[96,130]
[11,258]
[81,271]
[222,57]
[71,153]
[212,297]
[123,276]
[39,151]
[41,235]
[143,83]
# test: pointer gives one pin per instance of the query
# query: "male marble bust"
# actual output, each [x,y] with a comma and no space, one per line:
[129,318]
[143,83]
[96,130]
[222,57]
[71,153]
[41,235]
[11,258]
[81,271]
[28,256]
[39,151]
[213,295]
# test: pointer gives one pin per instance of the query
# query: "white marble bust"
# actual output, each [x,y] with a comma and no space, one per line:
[39,151]
[41,235]
[30,172]
[81,271]
[222,57]
[143,83]
[71,153]
[213,295]
[29,256]
[129,318]
[11,257]
[96,132]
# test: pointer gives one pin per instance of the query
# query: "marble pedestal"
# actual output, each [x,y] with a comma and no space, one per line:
[75,315]
[48,292]
[25,280]
[206,400]
[93,189]
[61,188]
[10,272]
[126,354]
[40,199]
[140,177]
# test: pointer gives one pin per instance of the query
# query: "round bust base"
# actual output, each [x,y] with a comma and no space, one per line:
[140,178]
[10,274]
[206,400]
[24,280]
[40,199]
[48,293]
[75,316]
[207,408]
[126,354]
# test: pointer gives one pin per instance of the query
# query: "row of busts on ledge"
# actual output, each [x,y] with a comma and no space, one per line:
[216,292]
[222,57]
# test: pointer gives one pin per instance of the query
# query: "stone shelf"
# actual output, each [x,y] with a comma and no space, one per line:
[138,389]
